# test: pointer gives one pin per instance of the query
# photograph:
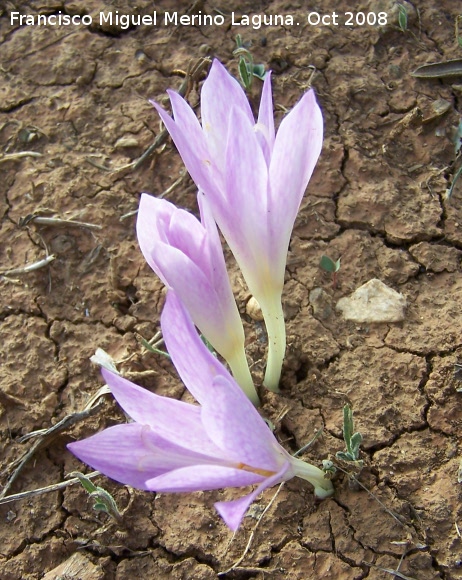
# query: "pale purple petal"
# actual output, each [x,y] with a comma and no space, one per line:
[265,123]
[119,453]
[160,221]
[219,94]
[296,151]
[202,478]
[191,145]
[233,511]
[246,170]
[188,257]
[134,453]
[187,121]
[186,233]
[242,215]
[234,425]
[218,274]
[124,453]
[176,421]
[195,364]
[201,300]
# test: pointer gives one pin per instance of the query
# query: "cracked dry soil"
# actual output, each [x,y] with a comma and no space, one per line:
[79,98]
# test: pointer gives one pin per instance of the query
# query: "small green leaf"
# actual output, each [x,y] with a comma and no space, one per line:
[347,426]
[402,17]
[88,486]
[208,345]
[355,442]
[100,507]
[259,71]
[352,440]
[327,264]
[450,191]
[337,265]
[328,466]
[458,36]
[105,502]
[148,346]
[344,456]
[246,78]
[458,139]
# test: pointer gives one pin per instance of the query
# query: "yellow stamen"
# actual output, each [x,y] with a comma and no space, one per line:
[262,472]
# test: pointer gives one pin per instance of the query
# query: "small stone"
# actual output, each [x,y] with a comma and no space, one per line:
[253,309]
[126,142]
[373,302]
[321,303]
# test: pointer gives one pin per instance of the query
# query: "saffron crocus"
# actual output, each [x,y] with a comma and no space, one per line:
[172,446]
[187,255]
[254,181]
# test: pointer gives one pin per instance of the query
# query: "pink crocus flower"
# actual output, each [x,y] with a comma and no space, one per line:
[172,446]
[187,255]
[254,180]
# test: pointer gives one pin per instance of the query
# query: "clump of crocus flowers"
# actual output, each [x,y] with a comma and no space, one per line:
[251,180]
[171,446]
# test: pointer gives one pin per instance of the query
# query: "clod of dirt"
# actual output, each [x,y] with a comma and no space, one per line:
[373,302]
[77,566]
[436,257]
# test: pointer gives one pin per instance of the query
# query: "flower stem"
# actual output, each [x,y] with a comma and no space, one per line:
[240,369]
[276,330]
[322,486]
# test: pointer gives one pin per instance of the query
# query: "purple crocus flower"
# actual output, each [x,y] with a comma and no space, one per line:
[187,255]
[254,181]
[172,446]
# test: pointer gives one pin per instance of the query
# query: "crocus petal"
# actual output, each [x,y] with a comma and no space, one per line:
[242,213]
[233,511]
[195,364]
[160,221]
[234,425]
[202,478]
[190,142]
[187,121]
[134,453]
[219,93]
[246,175]
[187,255]
[122,452]
[296,151]
[176,421]
[218,273]
[198,295]
[186,233]
[265,123]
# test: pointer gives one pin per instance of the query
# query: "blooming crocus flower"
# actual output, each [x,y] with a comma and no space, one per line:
[172,446]
[254,181]
[187,255]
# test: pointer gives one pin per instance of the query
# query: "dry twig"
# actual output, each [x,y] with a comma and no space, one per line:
[46,436]
[29,267]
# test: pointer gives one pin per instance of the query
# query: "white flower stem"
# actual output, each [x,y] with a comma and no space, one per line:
[240,369]
[322,486]
[275,327]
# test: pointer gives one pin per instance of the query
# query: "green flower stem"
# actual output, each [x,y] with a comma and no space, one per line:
[240,369]
[322,486]
[276,329]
